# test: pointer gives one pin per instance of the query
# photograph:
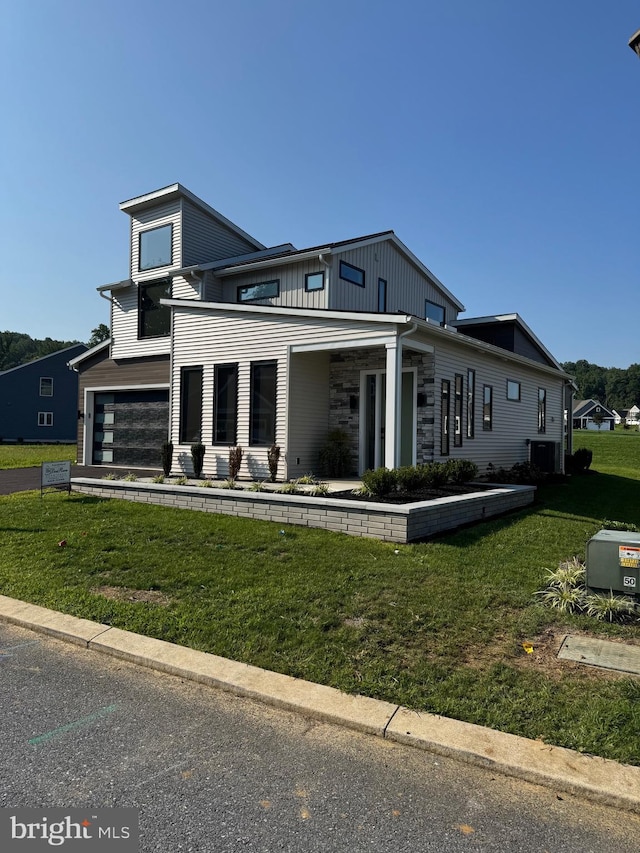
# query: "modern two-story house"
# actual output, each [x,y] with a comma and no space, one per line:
[219,339]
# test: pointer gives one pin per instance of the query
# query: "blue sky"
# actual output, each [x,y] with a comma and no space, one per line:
[499,140]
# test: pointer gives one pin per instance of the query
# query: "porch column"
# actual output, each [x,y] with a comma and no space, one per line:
[393,404]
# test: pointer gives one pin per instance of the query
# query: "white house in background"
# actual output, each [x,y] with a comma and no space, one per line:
[217,338]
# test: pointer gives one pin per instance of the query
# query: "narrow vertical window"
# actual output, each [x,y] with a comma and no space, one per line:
[382,295]
[457,410]
[190,405]
[154,319]
[263,402]
[487,407]
[542,409]
[471,403]
[225,418]
[445,395]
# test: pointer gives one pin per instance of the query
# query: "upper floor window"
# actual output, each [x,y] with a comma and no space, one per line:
[513,390]
[350,273]
[264,290]
[46,386]
[434,312]
[155,248]
[154,319]
[314,281]
[382,295]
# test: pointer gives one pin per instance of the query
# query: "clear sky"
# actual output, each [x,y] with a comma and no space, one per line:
[499,140]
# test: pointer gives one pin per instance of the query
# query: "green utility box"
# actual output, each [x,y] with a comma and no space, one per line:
[613,562]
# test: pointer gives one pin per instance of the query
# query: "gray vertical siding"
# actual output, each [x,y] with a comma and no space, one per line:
[291,277]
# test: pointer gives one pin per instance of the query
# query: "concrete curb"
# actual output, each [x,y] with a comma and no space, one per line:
[593,778]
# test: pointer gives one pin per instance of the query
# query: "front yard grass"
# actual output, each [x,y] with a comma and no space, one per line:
[437,626]
[30,455]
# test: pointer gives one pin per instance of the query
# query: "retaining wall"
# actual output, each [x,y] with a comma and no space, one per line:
[391,522]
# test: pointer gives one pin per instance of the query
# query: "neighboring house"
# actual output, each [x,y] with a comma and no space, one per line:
[633,415]
[217,338]
[593,415]
[39,399]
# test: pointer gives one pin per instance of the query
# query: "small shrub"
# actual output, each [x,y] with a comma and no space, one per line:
[308,479]
[522,473]
[167,457]
[159,478]
[273,457]
[320,490]
[181,481]
[461,471]
[409,478]
[569,573]
[620,525]
[197,457]
[111,476]
[257,487]
[335,455]
[229,483]
[235,461]
[610,608]
[380,482]
[434,474]
[290,488]
[566,598]
[580,461]
[130,477]
[206,484]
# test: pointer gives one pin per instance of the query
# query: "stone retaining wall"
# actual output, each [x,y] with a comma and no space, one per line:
[391,522]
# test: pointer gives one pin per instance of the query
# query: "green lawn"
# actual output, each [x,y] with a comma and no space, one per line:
[437,626]
[29,455]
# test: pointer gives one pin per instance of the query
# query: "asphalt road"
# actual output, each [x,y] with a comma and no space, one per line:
[212,772]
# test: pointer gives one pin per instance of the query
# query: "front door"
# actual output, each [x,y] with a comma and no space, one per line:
[372,414]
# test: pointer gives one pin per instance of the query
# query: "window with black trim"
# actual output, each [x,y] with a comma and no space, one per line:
[513,390]
[487,407]
[434,312]
[264,290]
[314,281]
[382,295]
[350,273]
[46,386]
[45,419]
[190,405]
[154,319]
[457,409]
[471,403]
[542,409]
[445,397]
[225,405]
[263,403]
[155,248]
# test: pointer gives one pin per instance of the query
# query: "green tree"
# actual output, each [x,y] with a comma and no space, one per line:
[98,335]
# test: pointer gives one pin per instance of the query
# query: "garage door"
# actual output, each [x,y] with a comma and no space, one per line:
[130,427]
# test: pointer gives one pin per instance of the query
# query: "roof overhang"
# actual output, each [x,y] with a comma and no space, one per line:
[88,354]
[514,318]
[116,285]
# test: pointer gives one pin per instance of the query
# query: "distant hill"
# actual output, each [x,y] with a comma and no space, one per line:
[17,348]
[613,386]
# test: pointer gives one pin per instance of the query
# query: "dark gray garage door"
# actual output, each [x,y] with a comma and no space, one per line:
[130,427]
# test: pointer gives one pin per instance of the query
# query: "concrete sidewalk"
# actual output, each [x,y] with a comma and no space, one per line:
[594,778]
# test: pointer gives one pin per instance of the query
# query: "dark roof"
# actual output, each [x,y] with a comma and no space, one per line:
[583,408]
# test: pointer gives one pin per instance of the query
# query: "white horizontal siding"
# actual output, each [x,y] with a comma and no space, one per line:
[513,421]
[407,287]
[308,423]
[124,329]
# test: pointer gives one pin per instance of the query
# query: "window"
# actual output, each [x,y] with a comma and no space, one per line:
[382,295]
[471,403]
[445,394]
[542,409]
[46,386]
[263,403]
[190,405]
[434,312]
[265,290]
[45,419]
[314,281]
[225,419]
[513,390]
[155,248]
[154,319]
[350,273]
[457,410]
[487,407]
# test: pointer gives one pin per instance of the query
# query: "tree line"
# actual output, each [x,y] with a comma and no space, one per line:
[17,348]
[615,387]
